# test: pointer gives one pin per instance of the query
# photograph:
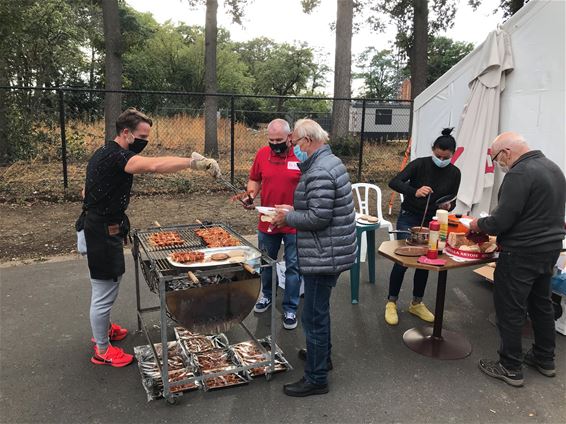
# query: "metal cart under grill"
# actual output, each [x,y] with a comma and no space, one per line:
[159,274]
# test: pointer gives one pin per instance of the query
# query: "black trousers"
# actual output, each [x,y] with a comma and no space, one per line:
[522,285]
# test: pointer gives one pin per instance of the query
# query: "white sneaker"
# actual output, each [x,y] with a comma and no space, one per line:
[289,321]
[262,304]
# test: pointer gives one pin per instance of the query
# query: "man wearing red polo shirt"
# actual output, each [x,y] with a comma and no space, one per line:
[275,173]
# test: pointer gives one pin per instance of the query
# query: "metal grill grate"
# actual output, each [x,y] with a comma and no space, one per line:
[155,264]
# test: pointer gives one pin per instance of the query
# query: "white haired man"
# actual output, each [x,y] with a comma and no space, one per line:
[324,217]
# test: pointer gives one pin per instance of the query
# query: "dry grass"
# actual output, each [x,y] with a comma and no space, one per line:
[177,135]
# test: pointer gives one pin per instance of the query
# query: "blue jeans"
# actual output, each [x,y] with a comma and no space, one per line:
[405,221]
[271,243]
[316,325]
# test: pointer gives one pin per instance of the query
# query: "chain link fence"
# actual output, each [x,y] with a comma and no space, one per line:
[51,133]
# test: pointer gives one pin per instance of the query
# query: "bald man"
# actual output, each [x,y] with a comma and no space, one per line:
[529,224]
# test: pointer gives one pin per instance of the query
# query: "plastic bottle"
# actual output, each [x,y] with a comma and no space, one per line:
[434,229]
[442,216]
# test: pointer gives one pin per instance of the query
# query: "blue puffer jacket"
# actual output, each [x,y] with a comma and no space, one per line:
[324,215]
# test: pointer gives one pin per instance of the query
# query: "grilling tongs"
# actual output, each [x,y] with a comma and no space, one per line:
[236,191]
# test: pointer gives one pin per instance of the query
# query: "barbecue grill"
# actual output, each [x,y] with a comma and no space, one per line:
[209,299]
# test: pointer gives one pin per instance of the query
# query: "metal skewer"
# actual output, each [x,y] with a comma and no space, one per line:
[425,211]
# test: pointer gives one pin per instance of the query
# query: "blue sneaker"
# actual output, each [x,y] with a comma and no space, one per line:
[289,321]
[263,304]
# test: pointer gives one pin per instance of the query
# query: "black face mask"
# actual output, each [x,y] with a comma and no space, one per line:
[278,148]
[138,145]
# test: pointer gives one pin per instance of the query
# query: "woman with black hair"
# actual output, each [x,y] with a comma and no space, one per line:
[431,175]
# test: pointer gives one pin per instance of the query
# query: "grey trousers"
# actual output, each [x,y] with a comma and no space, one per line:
[104,294]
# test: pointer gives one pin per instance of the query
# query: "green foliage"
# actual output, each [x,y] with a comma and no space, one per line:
[381,72]
[443,54]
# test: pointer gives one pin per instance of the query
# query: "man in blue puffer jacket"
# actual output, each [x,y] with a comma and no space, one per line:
[324,217]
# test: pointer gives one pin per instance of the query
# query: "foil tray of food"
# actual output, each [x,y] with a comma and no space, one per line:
[216,256]
[195,342]
[180,368]
[249,353]
[216,361]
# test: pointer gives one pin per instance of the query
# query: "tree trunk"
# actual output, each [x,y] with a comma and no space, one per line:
[342,67]
[210,83]
[113,66]
[3,111]
[419,49]
[91,85]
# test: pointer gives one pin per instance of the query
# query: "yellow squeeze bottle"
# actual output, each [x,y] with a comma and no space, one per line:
[442,217]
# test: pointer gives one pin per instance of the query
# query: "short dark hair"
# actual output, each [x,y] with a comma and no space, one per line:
[130,119]
[445,141]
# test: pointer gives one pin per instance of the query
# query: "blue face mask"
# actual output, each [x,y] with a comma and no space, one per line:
[440,163]
[302,156]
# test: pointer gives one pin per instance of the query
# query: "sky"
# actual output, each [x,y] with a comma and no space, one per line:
[284,21]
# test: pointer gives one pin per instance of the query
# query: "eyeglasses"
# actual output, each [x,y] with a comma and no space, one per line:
[495,157]
[294,142]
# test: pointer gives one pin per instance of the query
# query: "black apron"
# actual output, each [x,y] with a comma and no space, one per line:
[105,238]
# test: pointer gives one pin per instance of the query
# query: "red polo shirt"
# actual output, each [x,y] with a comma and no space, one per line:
[279,176]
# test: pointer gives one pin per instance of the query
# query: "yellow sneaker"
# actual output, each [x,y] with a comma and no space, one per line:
[422,312]
[391,316]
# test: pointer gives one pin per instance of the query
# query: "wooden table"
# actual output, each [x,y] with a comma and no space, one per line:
[433,342]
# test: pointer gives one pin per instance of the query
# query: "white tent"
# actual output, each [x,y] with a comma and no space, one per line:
[533,102]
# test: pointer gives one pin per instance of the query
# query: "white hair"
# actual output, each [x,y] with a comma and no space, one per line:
[279,124]
[311,129]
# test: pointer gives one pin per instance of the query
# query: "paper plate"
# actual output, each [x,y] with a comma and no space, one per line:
[266,210]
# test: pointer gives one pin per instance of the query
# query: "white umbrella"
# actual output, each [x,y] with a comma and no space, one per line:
[479,123]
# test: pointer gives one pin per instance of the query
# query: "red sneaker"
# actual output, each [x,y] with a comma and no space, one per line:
[114,356]
[115,334]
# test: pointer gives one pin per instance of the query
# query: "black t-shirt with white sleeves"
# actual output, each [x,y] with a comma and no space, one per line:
[108,186]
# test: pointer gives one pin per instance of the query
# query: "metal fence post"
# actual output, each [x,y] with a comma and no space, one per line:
[63,137]
[232,123]
[362,140]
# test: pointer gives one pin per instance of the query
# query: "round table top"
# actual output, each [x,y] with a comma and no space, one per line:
[387,249]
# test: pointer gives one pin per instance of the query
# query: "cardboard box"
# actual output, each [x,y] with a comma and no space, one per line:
[486,271]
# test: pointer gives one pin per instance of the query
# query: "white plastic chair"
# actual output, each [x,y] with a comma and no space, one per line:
[362,193]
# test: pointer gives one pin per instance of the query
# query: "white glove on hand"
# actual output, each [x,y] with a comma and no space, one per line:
[200,163]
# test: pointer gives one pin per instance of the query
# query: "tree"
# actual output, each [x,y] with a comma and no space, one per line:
[113,66]
[509,7]
[414,29]
[419,47]
[210,82]
[342,67]
[236,9]
[443,54]
[380,72]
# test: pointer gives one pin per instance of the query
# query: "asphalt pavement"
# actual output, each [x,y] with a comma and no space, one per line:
[46,375]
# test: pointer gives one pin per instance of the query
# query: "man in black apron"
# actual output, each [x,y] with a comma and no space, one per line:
[106,197]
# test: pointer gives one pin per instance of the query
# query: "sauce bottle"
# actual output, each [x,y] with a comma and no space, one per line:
[434,228]
[442,216]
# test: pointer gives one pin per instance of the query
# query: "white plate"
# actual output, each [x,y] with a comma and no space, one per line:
[466,222]
[266,210]
[363,221]
[249,255]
